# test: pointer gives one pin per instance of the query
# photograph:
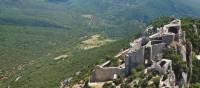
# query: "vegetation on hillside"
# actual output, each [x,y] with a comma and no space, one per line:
[194,38]
[34,32]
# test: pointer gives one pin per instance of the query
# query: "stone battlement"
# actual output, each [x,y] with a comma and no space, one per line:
[147,49]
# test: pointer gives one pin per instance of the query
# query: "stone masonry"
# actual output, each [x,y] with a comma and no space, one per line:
[148,50]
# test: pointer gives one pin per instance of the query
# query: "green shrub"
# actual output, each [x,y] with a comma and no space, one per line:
[108,85]
[125,85]
[156,82]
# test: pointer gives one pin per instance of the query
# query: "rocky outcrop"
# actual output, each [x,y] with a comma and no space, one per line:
[189,62]
[149,50]
[195,29]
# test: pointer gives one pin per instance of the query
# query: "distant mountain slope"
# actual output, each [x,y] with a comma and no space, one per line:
[142,10]
[33,32]
[125,8]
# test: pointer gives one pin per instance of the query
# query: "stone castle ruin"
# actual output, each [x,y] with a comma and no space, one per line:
[148,50]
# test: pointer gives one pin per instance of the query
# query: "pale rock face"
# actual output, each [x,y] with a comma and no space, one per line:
[195,29]
[198,57]
[61,57]
[148,50]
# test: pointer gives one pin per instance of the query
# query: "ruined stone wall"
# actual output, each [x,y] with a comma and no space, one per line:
[127,64]
[168,38]
[133,59]
[138,57]
[148,50]
[156,50]
[105,74]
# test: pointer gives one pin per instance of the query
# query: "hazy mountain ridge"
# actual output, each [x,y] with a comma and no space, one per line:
[121,9]
[33,32]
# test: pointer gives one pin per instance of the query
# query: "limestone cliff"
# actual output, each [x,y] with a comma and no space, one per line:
[161,59]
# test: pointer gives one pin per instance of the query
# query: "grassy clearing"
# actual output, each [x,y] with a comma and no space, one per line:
[94,41]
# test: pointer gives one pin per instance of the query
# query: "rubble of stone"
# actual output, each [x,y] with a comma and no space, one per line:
[164,67]
[148,50]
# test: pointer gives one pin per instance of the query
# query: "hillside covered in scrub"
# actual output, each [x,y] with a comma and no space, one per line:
[43,42]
